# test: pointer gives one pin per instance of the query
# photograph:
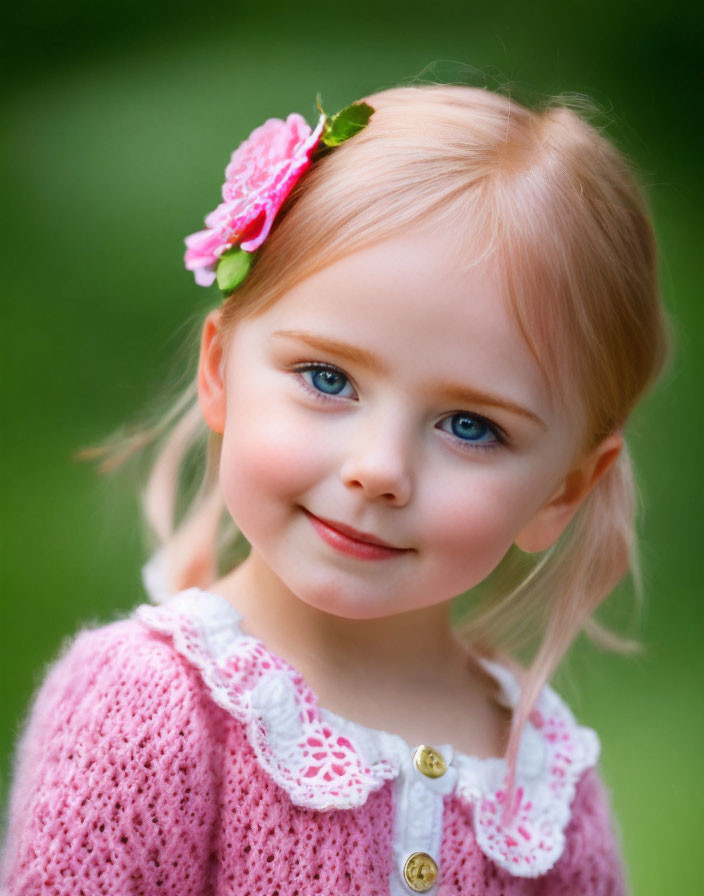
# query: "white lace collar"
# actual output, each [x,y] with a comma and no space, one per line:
[326,762]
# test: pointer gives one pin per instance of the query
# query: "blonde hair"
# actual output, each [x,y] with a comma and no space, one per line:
[557,206]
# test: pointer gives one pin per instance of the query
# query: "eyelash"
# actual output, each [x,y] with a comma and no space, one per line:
[500,436]
[317,393]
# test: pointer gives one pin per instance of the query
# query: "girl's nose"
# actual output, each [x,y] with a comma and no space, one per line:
[379,467]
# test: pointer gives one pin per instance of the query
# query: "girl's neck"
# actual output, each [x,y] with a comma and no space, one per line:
[305,635]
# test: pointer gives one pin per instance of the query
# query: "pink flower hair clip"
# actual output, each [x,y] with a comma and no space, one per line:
[262,172]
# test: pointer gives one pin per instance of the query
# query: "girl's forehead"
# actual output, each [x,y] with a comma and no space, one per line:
[438,284]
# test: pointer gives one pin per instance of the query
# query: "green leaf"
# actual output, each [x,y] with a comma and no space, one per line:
[345,123]
[232,268]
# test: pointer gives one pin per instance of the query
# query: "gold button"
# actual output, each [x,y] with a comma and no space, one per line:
[420,872]
[429,762]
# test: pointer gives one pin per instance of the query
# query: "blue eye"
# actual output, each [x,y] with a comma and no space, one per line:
[471,428]
[327,379]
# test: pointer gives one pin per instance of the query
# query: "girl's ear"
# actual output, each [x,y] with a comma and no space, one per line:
[551,520]
[211,379]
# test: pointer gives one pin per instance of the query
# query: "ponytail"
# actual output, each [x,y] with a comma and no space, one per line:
[184,521]
[557,595]
[188,547]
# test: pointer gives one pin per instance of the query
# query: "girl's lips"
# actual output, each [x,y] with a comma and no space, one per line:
[351,541]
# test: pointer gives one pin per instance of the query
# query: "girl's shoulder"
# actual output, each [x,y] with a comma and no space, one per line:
[121,655]
[114,758]
[118,683]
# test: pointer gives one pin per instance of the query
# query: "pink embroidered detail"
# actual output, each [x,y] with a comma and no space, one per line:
[554,753]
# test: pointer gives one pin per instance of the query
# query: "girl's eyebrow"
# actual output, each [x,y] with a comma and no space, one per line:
[468,397]
[460,395]
[342,349]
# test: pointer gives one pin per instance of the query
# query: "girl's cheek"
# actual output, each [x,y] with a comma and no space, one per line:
[485,515]
[264,458]
[479,528]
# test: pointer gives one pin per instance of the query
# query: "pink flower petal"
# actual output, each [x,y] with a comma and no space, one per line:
[260,175]
[204,276]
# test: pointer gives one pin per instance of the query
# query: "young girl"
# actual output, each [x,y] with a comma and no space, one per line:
[440,310]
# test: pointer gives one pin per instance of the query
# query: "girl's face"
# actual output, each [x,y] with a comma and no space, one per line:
[387,434]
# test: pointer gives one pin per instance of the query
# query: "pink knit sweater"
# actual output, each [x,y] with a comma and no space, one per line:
[169,753]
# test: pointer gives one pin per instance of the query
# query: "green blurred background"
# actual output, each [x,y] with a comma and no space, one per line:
[118,121]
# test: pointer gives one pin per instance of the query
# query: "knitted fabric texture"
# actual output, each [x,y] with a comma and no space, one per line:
[131,779]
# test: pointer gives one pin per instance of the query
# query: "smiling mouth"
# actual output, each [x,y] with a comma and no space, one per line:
[351,541]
